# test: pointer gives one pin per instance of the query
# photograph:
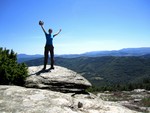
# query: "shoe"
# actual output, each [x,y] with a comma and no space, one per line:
[43,69]
[52,68]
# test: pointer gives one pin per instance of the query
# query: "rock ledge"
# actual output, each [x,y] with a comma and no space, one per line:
[59,79]
[15,99]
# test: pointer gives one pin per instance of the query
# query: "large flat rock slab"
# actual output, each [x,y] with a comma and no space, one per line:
[15,99]
[59,79]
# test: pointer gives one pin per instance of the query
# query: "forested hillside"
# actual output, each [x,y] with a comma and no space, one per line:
[108,70]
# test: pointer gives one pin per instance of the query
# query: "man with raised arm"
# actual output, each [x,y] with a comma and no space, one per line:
[49,45]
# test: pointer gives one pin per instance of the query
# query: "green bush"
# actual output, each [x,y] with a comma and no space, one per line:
[146,101]
[10,71]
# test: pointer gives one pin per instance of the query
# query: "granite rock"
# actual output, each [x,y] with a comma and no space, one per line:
[16,99]
[59,79]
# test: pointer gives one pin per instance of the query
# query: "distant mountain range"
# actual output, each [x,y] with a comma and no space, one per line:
[123,52]
[25,57]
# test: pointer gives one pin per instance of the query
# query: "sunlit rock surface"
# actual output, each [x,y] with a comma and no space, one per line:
[15,99]
[59,79]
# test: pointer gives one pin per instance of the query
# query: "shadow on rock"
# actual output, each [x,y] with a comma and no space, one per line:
[42,71]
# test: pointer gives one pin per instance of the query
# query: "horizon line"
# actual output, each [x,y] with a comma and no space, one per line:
[88,51]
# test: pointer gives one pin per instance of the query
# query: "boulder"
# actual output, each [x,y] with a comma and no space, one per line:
[59,79]
[15,99]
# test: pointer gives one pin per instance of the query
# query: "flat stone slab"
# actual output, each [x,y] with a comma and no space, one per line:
[59,79]
[15,99]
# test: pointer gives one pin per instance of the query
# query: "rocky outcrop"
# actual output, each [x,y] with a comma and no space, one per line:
[137,99]
[59,79]
[15,99]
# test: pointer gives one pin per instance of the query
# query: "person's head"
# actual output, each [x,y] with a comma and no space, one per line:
[50,31]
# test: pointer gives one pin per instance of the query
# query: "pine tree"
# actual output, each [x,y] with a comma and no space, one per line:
[10,71]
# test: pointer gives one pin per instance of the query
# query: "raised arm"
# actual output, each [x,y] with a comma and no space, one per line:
[43,29]
[57,33]
[41,23]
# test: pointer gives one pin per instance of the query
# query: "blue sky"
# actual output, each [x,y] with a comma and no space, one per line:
[87,25]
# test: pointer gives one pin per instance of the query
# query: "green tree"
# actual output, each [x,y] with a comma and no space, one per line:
[10,71]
